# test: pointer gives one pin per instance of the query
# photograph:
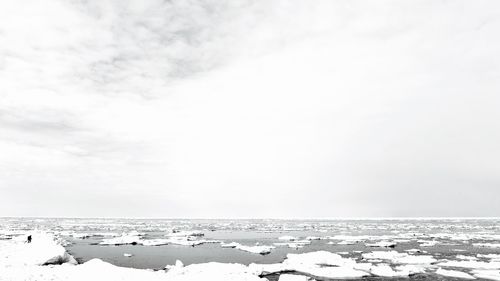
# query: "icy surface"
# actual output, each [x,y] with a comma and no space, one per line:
[43,250]
[261,248]
[454,273]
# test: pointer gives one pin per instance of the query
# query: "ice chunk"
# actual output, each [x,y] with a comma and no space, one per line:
[428,243]
[487,245]
[155,242]
[212,271]
[287,238]
[454,273]
[382,244]
[471,264]
[127,255]
[487,274]
[131,239]
[310,238]
[399,258]
[229,245]
[292,277]
[186,234]
[259,249]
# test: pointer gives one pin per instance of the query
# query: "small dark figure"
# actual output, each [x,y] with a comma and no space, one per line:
[29,238]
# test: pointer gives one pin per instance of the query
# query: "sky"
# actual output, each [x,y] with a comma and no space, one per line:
[249,108]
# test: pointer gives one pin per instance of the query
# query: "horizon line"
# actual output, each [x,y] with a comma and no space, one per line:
[260,218]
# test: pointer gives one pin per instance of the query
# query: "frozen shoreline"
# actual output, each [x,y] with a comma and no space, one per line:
[46,259]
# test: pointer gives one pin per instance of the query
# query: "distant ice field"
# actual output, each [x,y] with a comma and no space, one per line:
[439,249]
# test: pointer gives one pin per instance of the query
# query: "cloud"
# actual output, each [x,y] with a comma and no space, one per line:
[248,109]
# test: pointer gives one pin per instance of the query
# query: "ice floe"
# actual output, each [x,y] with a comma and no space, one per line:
[382,244]
[487,274]
[132,239]
[320,264]
[470,264]
[287,238]
[292,277]
[229,245]
[257,249]
[487,245]
[454,274]
[400,258]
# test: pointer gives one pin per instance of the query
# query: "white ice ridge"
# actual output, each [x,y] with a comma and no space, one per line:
[43,250]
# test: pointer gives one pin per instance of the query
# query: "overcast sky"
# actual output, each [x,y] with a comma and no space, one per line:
[209,108]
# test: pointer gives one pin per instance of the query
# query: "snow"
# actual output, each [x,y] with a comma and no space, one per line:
[487,274]
[489,256]
[487,245]
[347,242]
[425,243]
[399,258]
[229,245]
[292,277]
[471,264]
[311,238]
[186,234]
[454,273]
[44,249]
[384,270]
[154,242]
[287,238]
[319,265]
[125,239]
[258,249]
[212,271]
[382,244]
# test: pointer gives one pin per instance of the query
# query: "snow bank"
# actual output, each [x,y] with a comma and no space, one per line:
[43,250]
